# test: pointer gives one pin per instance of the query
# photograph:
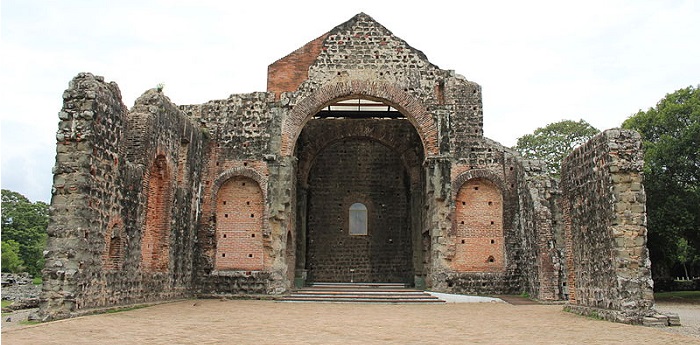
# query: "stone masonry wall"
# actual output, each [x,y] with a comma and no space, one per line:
[361,58]
[139,195]
[245,142]
[486,161]
[605,218]
[87,160]
[159,140]
[359,171]
[371,161]
[540,255]
[99,198]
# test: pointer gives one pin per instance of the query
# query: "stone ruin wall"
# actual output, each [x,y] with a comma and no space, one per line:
[131,185]
[98,208]
[243,144]
[362,58]
[605,228]
[91,120]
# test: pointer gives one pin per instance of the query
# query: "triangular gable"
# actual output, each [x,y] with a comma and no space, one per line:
[361,43]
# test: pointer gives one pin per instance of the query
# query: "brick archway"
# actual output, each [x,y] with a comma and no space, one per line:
[408,105]
[410,159]
[252,174]
[478,227]
[477,174]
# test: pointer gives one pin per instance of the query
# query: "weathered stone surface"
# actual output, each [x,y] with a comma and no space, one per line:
[251,194]
[604,211]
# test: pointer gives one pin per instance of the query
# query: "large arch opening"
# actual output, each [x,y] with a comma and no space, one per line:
[360,195]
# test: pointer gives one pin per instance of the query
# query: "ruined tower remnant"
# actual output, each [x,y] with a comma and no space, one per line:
[362,161]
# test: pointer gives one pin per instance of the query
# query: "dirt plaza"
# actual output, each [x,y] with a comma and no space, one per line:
[268,322]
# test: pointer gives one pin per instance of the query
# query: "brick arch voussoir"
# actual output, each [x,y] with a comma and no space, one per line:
[465,177]
[408,105]
[488,175]
[239,171]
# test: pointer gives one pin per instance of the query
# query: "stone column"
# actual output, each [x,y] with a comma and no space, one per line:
[300,272]
[437,200]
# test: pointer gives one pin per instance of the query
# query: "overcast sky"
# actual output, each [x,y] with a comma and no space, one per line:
[538,62]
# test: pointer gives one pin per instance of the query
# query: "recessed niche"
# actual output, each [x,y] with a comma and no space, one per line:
[250,255]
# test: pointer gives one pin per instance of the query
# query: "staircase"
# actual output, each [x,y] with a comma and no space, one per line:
[395,293]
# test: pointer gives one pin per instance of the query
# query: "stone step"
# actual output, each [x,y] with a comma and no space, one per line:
[369,290]
[357,286]
[362,300]
[360,293]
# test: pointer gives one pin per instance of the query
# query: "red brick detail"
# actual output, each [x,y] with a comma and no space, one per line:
[239,222]
[408,105]
[287,73]
[461,174]
[113,255]
[219,169]
[478,228]
[250,173]
[155,239]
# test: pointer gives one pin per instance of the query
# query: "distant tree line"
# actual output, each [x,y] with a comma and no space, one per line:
[23,233]
[671,140]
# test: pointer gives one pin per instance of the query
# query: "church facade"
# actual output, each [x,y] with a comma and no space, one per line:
[362,162]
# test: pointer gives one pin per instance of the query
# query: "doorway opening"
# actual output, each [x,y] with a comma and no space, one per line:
[360,195]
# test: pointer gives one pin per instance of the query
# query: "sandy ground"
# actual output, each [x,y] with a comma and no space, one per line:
[269,322]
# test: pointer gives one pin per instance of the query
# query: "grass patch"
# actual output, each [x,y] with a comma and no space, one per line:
[690,297]
[594,315]
[6,303]
[119,310]
[37,281]
[29,322]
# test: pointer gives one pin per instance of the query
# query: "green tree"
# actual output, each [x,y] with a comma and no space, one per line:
[10,257]
[25,223]
[554,142]
[671,139]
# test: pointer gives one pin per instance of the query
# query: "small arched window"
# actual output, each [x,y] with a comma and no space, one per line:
[358,219]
